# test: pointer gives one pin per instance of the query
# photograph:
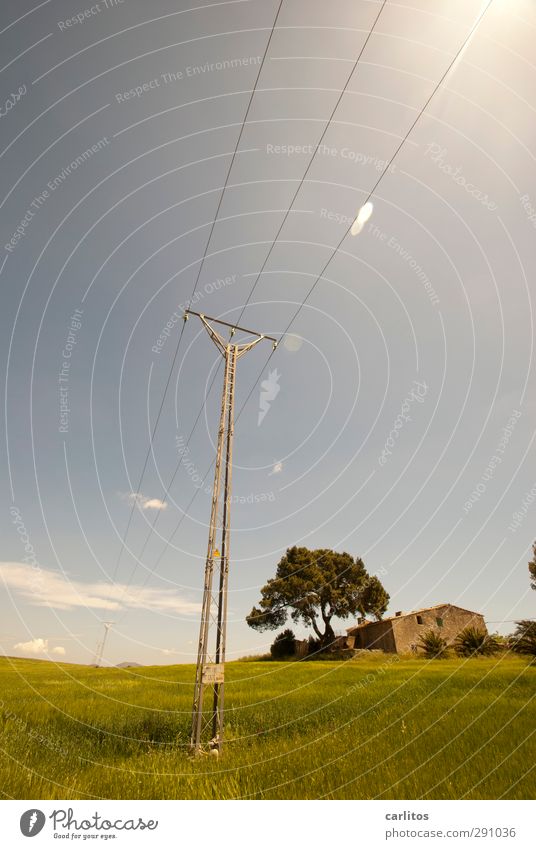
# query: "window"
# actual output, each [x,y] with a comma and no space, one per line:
[419,620]
[439,622]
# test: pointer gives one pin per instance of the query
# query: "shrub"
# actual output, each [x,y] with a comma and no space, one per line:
[473,641]
[433,644]
[523,641]
[314,646]
[255,658]
[284,644]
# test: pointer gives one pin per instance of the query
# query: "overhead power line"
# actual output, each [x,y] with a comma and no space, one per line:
[376,184]
[153,433]
[256,281]
[504,621]
[317,147]
[338,246]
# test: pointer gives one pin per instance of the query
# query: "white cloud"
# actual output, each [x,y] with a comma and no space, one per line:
[38,646]
[58,650]
[154,504]
[45,588]
[146,503]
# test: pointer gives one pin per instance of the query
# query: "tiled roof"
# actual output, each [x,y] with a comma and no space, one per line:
[412,613]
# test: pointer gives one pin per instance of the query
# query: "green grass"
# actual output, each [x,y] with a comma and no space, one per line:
[367,728]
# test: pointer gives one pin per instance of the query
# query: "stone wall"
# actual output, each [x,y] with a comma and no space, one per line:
[448,620]
[375,635]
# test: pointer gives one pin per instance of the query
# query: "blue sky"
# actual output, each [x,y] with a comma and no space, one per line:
[397,380]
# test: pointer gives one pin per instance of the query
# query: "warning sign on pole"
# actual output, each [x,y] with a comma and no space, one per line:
[213,673]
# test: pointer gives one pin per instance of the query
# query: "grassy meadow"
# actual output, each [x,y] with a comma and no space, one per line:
[378,727]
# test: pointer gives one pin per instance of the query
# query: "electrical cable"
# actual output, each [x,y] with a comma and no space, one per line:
[335,251]
[149,450]
[274,241]
[321,139]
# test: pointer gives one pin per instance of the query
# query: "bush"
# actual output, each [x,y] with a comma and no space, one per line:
[255,658]
[433,645]
[314,646]
[473,641]
[284,644]
[523,641]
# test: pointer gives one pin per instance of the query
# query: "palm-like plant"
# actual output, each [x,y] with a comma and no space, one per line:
[433,645]
[473,641]
[523,641]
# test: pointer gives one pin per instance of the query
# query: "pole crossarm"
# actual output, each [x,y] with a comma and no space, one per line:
[208,714]
[216,338]
[234,327]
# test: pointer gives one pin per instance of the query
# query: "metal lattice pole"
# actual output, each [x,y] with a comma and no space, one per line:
[207,721]
[102,643]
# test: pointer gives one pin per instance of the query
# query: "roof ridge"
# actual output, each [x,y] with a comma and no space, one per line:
[413,613]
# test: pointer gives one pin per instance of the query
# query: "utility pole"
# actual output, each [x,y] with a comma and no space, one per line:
[100,647]
[207,721]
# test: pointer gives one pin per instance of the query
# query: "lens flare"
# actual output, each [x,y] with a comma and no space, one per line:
[362,217]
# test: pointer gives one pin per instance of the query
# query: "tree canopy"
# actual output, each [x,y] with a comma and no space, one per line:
[313,586]
[523,640]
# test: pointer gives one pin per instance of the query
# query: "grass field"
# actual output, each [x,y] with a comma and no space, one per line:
[366,728]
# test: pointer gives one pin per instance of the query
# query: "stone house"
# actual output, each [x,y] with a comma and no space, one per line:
[401,633]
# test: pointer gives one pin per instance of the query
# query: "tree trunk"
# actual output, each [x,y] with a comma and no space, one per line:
[329,634]
[316,629]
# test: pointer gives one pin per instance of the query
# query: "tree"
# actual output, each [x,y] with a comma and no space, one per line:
[473,641]
[523,641]
[433,645]
[532,567]
[315,586]
[284,644]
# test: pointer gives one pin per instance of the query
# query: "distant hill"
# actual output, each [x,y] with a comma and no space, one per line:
[126,664]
